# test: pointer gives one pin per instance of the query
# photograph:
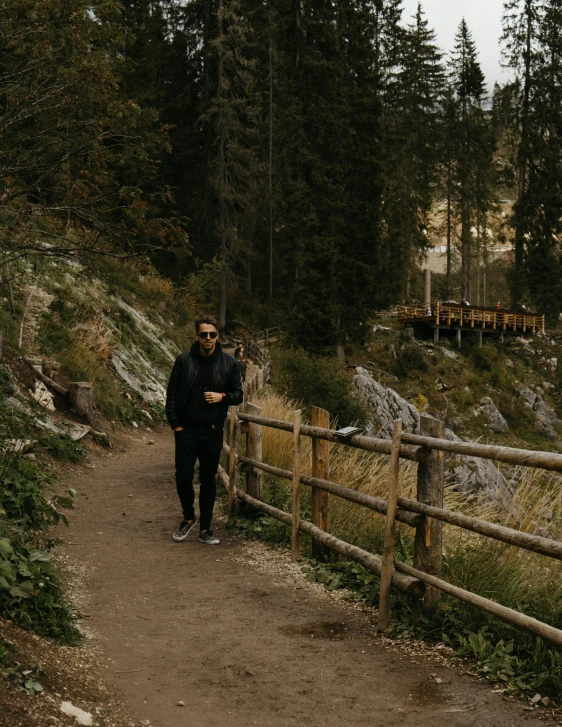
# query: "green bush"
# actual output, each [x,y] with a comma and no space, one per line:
[410,359]
[63,448]
[23,497]
[317,381]
[30,591]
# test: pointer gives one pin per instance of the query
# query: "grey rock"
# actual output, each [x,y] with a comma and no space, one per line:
[384,405]
[471,475]
[450,354]
[496,421]
[476,476]
[509,363]
[546,418]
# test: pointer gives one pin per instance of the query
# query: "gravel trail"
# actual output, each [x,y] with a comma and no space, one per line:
[234,633]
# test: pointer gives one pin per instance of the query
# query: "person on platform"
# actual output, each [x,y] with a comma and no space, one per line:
[204,382]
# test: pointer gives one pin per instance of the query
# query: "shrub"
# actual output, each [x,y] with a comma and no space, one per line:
[63,448]
[317,381]
[30,591]
[409,359]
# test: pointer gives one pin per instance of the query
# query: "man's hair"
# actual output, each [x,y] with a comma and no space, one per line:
[207,318]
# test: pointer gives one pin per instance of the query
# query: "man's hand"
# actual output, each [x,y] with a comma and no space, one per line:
[211,397]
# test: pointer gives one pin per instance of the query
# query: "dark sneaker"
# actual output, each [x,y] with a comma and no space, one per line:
[184,528]
[208,538]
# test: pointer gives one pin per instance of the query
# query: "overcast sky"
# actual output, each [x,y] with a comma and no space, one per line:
[483,18]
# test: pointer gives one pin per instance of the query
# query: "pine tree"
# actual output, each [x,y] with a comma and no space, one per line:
[521,23]
[413,107]
[468,122]
[542,223]
[68,135]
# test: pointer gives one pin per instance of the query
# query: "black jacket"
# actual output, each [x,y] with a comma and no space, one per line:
[225,377]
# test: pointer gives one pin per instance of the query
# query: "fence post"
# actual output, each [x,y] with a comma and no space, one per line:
[254,451]
[296,485]
[428,553]
[388,551]
[320,469]
[232,470]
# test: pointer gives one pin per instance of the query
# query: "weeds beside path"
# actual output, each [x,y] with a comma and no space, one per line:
[205,626]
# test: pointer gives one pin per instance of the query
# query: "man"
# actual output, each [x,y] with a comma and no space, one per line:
[205,381]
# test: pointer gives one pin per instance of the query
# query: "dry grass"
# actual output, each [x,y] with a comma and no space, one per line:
[94,336]
[480,564]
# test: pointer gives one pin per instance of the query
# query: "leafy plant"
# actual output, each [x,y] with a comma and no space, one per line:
[11,669]
[28,498]
[63,448]
[30,591]
[262,527]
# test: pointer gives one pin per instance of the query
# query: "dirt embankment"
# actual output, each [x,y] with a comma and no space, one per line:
[188,634]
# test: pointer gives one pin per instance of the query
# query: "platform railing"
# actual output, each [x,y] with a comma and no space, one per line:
[460,316]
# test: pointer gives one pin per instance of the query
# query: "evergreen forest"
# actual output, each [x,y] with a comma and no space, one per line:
[282,159]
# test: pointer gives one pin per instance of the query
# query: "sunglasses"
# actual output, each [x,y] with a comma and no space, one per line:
[208,334]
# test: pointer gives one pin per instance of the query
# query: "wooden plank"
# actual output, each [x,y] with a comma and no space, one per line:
[484,604]
[233,432]
[320,469]
[428,554]
[388,550]
[411,586]
[254,451]
[346,493]
[369,444]
[517,538]
[296,486]
[525,457]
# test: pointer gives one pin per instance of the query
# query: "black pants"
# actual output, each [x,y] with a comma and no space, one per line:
[205,446]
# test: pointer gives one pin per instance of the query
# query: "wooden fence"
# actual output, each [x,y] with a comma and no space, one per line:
[426,514]
[259,355]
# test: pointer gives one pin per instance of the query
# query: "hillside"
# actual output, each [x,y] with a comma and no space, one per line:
[467,387]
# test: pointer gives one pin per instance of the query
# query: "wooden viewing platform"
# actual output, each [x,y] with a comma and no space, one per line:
[452,316]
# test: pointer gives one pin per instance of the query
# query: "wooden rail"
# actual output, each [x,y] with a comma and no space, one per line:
[475,317]
[425,514]
[262,377]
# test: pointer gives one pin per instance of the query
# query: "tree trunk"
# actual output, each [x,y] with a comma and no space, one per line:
[270,296]
[478,260]
[518,278]
[485,265]
[221,173]
[82,399]
[465,247]
[448,278]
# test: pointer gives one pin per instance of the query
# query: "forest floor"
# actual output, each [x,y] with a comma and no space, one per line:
[185,634]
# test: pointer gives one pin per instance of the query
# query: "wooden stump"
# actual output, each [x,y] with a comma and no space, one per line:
[82,399]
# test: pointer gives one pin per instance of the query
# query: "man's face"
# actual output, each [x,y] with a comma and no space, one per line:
[207,336]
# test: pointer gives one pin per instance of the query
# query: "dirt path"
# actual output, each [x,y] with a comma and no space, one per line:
[199,624]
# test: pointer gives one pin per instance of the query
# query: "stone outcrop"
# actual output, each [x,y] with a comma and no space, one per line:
[496,422]
[475,476]
[544,413]
[471,475]
[384,405]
